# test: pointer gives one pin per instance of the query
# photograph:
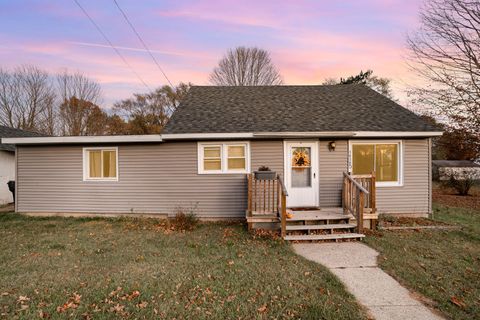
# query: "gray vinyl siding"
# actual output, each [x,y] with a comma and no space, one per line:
[332,164]
[267,153]
[153,178]
[414,196]
[158,178]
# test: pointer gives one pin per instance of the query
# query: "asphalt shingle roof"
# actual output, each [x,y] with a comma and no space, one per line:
[7,132]
[216,109]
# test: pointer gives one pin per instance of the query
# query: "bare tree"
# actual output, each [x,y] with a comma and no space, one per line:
[25,94]
[78,96]
[445,51]
[78,85]
[246,67]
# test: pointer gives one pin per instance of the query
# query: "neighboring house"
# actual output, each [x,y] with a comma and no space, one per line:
[309,135]
[460,169]
[7,161]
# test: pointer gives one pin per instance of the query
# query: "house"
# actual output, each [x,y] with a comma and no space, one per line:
[7,161]
[460,169]
[338,148]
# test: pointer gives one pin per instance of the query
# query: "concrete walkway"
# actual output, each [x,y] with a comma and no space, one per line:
[356,266]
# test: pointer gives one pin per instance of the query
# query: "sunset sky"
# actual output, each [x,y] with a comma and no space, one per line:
[309,40]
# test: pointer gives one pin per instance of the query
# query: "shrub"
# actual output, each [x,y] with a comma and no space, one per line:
[462,183]
[185,219]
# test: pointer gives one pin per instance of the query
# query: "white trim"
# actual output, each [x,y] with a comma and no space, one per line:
[315,168]
[313,134]
[223,156]
[292,134]
[400,164]
[86,163]
[84,139]
[228,135]
[399,134]
[186,136]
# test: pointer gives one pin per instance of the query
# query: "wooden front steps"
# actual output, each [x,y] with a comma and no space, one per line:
[336,237]
[325,224]
[321,226]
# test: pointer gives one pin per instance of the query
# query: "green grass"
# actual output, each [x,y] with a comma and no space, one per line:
[443,266]
[110,268]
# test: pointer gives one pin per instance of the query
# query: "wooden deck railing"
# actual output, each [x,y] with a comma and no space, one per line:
[359,196]
[283,206]
[267,197]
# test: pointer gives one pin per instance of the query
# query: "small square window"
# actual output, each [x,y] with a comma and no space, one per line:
[100,164]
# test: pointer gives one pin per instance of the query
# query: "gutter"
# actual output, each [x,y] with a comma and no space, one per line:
[216,136]
[83,139]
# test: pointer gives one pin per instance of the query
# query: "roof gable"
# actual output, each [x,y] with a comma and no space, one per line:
[217,109]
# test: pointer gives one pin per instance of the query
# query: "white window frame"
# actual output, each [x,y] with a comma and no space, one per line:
[86,163]
[223,157]
[400,163]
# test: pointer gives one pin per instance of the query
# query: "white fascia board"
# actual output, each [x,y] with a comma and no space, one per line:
[313,134]
[398,134]
[305,134]
[200,136]
[83,139]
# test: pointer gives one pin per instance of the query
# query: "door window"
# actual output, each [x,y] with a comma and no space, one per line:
[301,175]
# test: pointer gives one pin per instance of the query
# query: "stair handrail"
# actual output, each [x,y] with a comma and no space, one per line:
[353,199]
[283,206]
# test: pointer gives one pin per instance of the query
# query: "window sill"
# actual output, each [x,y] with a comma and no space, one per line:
[223,172]
[388,184]
[100,180]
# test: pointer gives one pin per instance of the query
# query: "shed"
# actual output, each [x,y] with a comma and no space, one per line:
[443,169]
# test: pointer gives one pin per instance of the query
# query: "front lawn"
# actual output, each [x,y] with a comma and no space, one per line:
[111,268]
[443,266]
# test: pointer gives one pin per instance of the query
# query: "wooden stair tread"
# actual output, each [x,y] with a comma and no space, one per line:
[324,236]
[263,219]
[321,226]
[315,217]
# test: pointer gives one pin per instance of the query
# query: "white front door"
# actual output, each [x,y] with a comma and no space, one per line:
[301,173]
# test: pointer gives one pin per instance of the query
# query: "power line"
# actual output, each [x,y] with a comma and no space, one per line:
[143,42]
[111,44]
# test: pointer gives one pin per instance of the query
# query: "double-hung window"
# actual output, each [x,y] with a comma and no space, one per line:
[231,157]
[383,158]
[100,164]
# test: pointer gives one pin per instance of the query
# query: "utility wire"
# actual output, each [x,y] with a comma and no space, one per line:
[111,44]
[143,42]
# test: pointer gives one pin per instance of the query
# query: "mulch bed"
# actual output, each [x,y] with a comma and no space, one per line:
[408,222]
[447,197]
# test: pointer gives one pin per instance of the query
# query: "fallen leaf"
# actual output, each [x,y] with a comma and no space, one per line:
[117,308]
[458,302]
[142,304]
[262,309]
[23,299]
[43,315]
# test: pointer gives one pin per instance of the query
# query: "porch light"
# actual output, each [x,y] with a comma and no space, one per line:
[331,146]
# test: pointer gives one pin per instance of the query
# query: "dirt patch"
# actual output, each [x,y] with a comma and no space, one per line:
[7,207]
[390,221]
[448,197]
